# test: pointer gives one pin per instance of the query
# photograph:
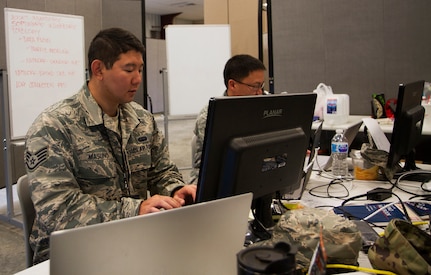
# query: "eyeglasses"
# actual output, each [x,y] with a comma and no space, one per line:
[254,88]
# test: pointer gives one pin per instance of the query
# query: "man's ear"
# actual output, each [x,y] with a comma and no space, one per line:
[230,84]
[97,67]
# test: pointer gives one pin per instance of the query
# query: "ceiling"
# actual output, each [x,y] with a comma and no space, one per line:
[189,9]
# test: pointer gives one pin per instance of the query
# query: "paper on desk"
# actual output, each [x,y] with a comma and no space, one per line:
[377,134]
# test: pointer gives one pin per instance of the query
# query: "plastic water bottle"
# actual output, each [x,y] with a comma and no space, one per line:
[339,151]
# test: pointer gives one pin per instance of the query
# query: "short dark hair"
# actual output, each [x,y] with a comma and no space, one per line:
[240,66]
[108,44]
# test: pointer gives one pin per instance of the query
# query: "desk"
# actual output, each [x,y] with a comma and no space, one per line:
[385,124]
[355,187]
[328,130]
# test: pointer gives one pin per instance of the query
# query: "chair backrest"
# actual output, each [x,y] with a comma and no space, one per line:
[28,214]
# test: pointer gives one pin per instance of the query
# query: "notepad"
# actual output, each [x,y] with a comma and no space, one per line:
[423,209]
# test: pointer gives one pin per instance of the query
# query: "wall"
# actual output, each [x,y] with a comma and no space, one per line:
[356,47]
[242,16]
[156,61]
[130,13]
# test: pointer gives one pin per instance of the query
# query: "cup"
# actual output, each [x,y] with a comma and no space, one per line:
[363,169]
[262,260]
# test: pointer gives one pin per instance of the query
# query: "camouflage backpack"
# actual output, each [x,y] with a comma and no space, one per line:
[301,228]
[403,249]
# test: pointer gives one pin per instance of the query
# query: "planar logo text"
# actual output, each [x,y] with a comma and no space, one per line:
[272,113]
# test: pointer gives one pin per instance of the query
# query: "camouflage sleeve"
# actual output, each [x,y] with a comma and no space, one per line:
[199,132]
[59,201]
[164,176]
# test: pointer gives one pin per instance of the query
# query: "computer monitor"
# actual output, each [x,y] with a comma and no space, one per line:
[255,144]
[408,123]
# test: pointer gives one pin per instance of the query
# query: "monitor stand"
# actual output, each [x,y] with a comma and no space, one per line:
[410,165]
[260,228]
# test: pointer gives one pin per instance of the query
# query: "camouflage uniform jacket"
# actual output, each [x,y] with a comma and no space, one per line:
[77,170]
[199,132]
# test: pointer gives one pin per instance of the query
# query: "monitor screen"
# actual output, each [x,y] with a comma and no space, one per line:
[255,144]
[408,123]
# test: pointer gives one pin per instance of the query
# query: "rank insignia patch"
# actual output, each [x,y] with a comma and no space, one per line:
[33,160]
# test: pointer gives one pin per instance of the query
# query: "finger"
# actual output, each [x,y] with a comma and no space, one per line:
[179,200]
[169,203]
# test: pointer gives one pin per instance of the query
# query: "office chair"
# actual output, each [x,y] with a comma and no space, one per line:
[28,214]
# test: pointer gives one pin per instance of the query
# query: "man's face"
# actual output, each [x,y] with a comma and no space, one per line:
[250,85]
[123,79]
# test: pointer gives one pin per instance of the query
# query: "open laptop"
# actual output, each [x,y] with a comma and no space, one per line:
[203,238]
[350,133]
[313,147]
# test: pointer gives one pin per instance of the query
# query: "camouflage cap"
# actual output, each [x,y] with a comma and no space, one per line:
[379,158]
[403,249]
[301,228]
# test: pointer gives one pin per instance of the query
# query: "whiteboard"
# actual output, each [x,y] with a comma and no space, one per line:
[45,62]
[196,55]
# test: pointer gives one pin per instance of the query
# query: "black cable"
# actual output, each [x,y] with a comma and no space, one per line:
[367,194]
[258,229]
[423,188]
[413,174]
[422,196]
[328,186]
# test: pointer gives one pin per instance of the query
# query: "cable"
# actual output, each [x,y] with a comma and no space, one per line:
[415,174]
[323,173]
[397,183]
[365,195]
[423,196]
[312,161]
[423,188]
[363,269]
[258,229]
[328,186]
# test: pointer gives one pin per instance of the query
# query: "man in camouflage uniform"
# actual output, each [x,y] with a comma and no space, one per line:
[92,158]
[243,75]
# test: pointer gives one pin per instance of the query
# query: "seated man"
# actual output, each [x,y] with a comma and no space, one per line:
[243,75]
[92,158]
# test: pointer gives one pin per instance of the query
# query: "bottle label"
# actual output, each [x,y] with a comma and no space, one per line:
[339,147]
[331,106]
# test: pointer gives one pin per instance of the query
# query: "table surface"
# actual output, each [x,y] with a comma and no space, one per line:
[385,124]
[354,187]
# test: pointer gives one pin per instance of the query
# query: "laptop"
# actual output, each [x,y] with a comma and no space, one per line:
[313,147]
[350,133]
[202,238]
